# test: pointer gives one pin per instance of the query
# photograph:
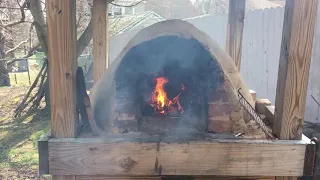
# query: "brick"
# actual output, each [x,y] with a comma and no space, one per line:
[220,124]
[219,95]
[261,104]
[227,83]
[219,109]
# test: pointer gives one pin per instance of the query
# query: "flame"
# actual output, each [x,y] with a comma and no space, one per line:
[160,102]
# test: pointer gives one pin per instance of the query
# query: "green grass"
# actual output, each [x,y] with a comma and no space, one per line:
[22,78]
[18,140]
[35,64]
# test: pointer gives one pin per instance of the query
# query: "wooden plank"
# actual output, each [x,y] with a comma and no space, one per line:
[43,150]
[101,177]
[235,30]
[253,94]
[294,65]
[100,38]
[61,22]
[62,66]
[269,113]
[295,55]
[118,156]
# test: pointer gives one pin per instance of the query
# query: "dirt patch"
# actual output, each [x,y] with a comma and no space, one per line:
[21,173]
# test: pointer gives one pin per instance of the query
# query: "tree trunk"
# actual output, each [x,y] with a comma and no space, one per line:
[4,73]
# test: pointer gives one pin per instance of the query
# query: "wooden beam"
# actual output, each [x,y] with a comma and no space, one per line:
[294,64]
[62,66]
[295,55]
[118,156]
[235,30]
[101,177]
[100,38]
[43,150]
[61,22]
[269,113]
[253,94]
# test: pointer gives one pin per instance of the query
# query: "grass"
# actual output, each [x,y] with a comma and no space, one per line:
[22,78]
[35,63]
[18,136]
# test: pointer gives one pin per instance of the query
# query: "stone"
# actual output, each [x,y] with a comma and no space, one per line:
[220,95]
[261,104]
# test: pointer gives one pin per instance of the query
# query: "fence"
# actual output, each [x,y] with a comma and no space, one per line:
[24,71]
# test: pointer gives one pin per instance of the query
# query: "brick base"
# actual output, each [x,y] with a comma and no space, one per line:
[219,124]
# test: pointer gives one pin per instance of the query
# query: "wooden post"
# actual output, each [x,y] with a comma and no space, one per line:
[294,64]
[235,29]
[61,22]
[100,38]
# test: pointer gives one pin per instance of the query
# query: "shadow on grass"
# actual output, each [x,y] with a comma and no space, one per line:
[18,139]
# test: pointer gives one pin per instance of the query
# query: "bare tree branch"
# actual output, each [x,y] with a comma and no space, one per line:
[84,39]
[22,42]
[40,25]
[17,46]
[131,5]
[30,53]
[23,17]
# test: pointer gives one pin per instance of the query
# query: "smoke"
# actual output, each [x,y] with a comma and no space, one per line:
[183,62]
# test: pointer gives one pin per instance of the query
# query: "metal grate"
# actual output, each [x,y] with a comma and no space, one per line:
[254,114]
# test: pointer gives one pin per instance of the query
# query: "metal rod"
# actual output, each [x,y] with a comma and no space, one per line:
[254,115]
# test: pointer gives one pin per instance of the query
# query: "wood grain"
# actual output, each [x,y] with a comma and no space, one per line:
[62,66]
[100,38]
[235,30]
[61,22]
[116,157]
[294,65]
[171,178]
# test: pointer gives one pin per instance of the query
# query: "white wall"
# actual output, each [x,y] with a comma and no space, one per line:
[260,51]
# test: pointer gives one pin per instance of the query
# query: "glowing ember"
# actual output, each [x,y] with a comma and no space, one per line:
[161,103]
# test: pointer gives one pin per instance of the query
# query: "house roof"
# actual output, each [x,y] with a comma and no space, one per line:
[119,24]
[261,4]
[173,9]
[127,2]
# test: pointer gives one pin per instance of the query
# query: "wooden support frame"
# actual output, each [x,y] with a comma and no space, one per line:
[100,38]
[294,65]
[102,177]
[66,157]
[61,22]
[138,155]
[235,30]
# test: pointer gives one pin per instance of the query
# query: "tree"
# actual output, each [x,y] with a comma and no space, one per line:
[12,16]
[37,11]
[214,7]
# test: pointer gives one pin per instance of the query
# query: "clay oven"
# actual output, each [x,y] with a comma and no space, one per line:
[171,76]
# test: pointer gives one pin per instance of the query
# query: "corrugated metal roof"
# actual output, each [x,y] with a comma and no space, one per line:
[119,24]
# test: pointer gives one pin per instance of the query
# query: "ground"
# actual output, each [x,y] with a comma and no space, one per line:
[18,136]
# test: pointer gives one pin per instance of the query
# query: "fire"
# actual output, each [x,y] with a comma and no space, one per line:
[160,102]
